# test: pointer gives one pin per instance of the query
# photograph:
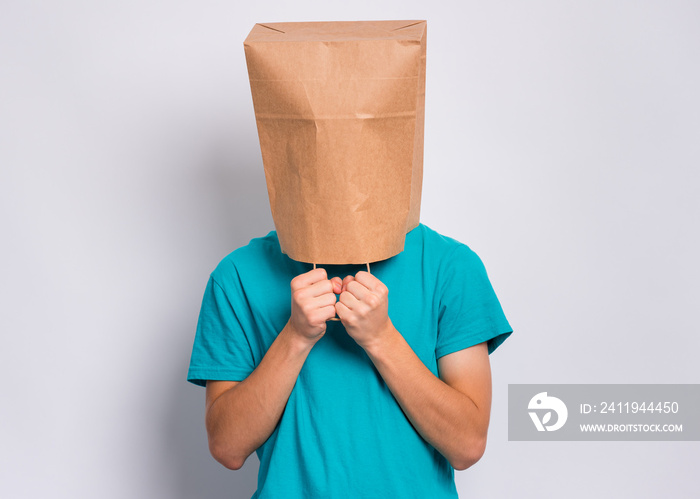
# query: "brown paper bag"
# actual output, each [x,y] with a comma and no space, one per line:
[340,108]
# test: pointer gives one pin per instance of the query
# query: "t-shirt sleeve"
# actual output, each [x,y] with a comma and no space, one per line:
[221,348]
[469,311]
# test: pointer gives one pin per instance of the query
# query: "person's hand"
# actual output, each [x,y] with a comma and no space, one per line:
[313,303]
[363,308]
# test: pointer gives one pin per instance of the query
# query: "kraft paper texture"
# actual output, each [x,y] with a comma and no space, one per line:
[340,110]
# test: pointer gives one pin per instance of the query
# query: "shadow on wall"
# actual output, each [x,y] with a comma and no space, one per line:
[237,209]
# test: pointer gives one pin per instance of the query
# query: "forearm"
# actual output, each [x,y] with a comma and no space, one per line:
[242,418]
[445,417]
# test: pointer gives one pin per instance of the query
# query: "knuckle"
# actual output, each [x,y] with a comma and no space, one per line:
[372,300]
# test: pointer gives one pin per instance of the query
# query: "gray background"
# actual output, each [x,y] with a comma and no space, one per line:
[562,144]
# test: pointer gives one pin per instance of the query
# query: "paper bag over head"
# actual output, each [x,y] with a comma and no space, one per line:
[340,110]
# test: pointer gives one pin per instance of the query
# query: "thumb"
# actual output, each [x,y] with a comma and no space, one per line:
[337,285]
[346,281]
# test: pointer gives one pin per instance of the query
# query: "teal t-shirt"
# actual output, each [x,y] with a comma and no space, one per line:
[342,433]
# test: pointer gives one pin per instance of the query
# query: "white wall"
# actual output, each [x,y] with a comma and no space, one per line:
[562,144]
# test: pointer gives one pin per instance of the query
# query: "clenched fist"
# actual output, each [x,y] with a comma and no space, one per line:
[313,303]
[363,308]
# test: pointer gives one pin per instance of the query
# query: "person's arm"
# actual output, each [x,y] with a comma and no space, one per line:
[240,416]
[451,412]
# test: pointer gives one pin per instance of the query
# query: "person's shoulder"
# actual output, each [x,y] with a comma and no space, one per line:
[439,245]
[444,256]
[258,252]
